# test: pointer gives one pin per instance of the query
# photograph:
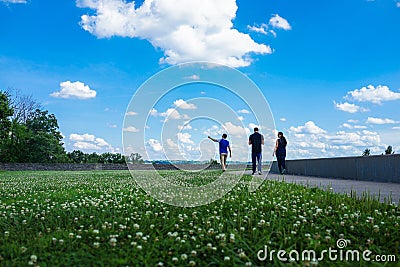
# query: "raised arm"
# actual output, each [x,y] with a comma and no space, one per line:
[215,140]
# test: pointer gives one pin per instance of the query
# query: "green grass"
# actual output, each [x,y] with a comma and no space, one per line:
[102,218]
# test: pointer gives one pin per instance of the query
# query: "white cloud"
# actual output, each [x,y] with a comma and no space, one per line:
[235,130]
[90,142]
[319,143]
[373,94]
[184,30]
[153,112]
[155,145]
[278,22]
[349,126]
[185,138]
[131,129]
[172,114]
[347,107]
[82,137]
[282,119]
[131,113]
[380,121]
[186,126]
[14,1]
[263,29]
[193,77]
[180,103]
[74,90]
[309,127]
[240,118]
[398,4]
[243,111]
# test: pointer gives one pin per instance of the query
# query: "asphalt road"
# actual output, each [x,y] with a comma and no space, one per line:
[383,191]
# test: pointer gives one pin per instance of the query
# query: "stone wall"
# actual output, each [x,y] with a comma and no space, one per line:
[96,166]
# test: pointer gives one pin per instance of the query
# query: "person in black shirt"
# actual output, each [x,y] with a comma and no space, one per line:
[280,152]
[256,140]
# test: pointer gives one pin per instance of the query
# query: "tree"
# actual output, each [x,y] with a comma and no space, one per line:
[135,158]
[45,140]
[366,152]
[389,151]
[5,113]
[77,156]
[24,106]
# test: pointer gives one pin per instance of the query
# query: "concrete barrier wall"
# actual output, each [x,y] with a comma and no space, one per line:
[379,168]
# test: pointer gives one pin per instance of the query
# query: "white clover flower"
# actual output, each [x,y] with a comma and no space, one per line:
[184,257]
[227,258]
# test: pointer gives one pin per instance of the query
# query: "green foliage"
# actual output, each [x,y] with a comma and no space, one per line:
[366,152]
[105,219]
[33,137]
[213,162]
[134,158]
[389,150]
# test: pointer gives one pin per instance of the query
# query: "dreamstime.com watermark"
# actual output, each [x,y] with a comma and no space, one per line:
[331,254]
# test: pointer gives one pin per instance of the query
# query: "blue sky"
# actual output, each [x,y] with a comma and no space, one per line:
[329,70]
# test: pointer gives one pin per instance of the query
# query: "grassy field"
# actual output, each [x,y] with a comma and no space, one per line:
[102,218]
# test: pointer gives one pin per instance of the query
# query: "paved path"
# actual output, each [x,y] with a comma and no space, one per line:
[374,189]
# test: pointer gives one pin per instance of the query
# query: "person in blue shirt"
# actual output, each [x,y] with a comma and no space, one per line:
[223,149]
[280,152]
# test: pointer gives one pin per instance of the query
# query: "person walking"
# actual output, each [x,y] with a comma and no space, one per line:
[280,152]
[223,149]
[256,140]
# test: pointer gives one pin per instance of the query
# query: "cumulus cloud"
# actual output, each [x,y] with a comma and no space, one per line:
[235,130]
[131,129]
[243,111]
[275,21]
[308,127]
[155,145]
[380,121]
[347,107]
[131,113]
[193,77]
[183,30]
[278,22]
[263,29]
[185,138]
[349,126]
[90,142]
[74,90]
[180,103]
[310,141]
[373,94]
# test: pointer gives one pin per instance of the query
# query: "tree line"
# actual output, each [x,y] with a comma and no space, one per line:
[388,151]
[29,133]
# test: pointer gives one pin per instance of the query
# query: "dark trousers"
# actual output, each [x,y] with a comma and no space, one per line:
[281,162]
[256,160]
